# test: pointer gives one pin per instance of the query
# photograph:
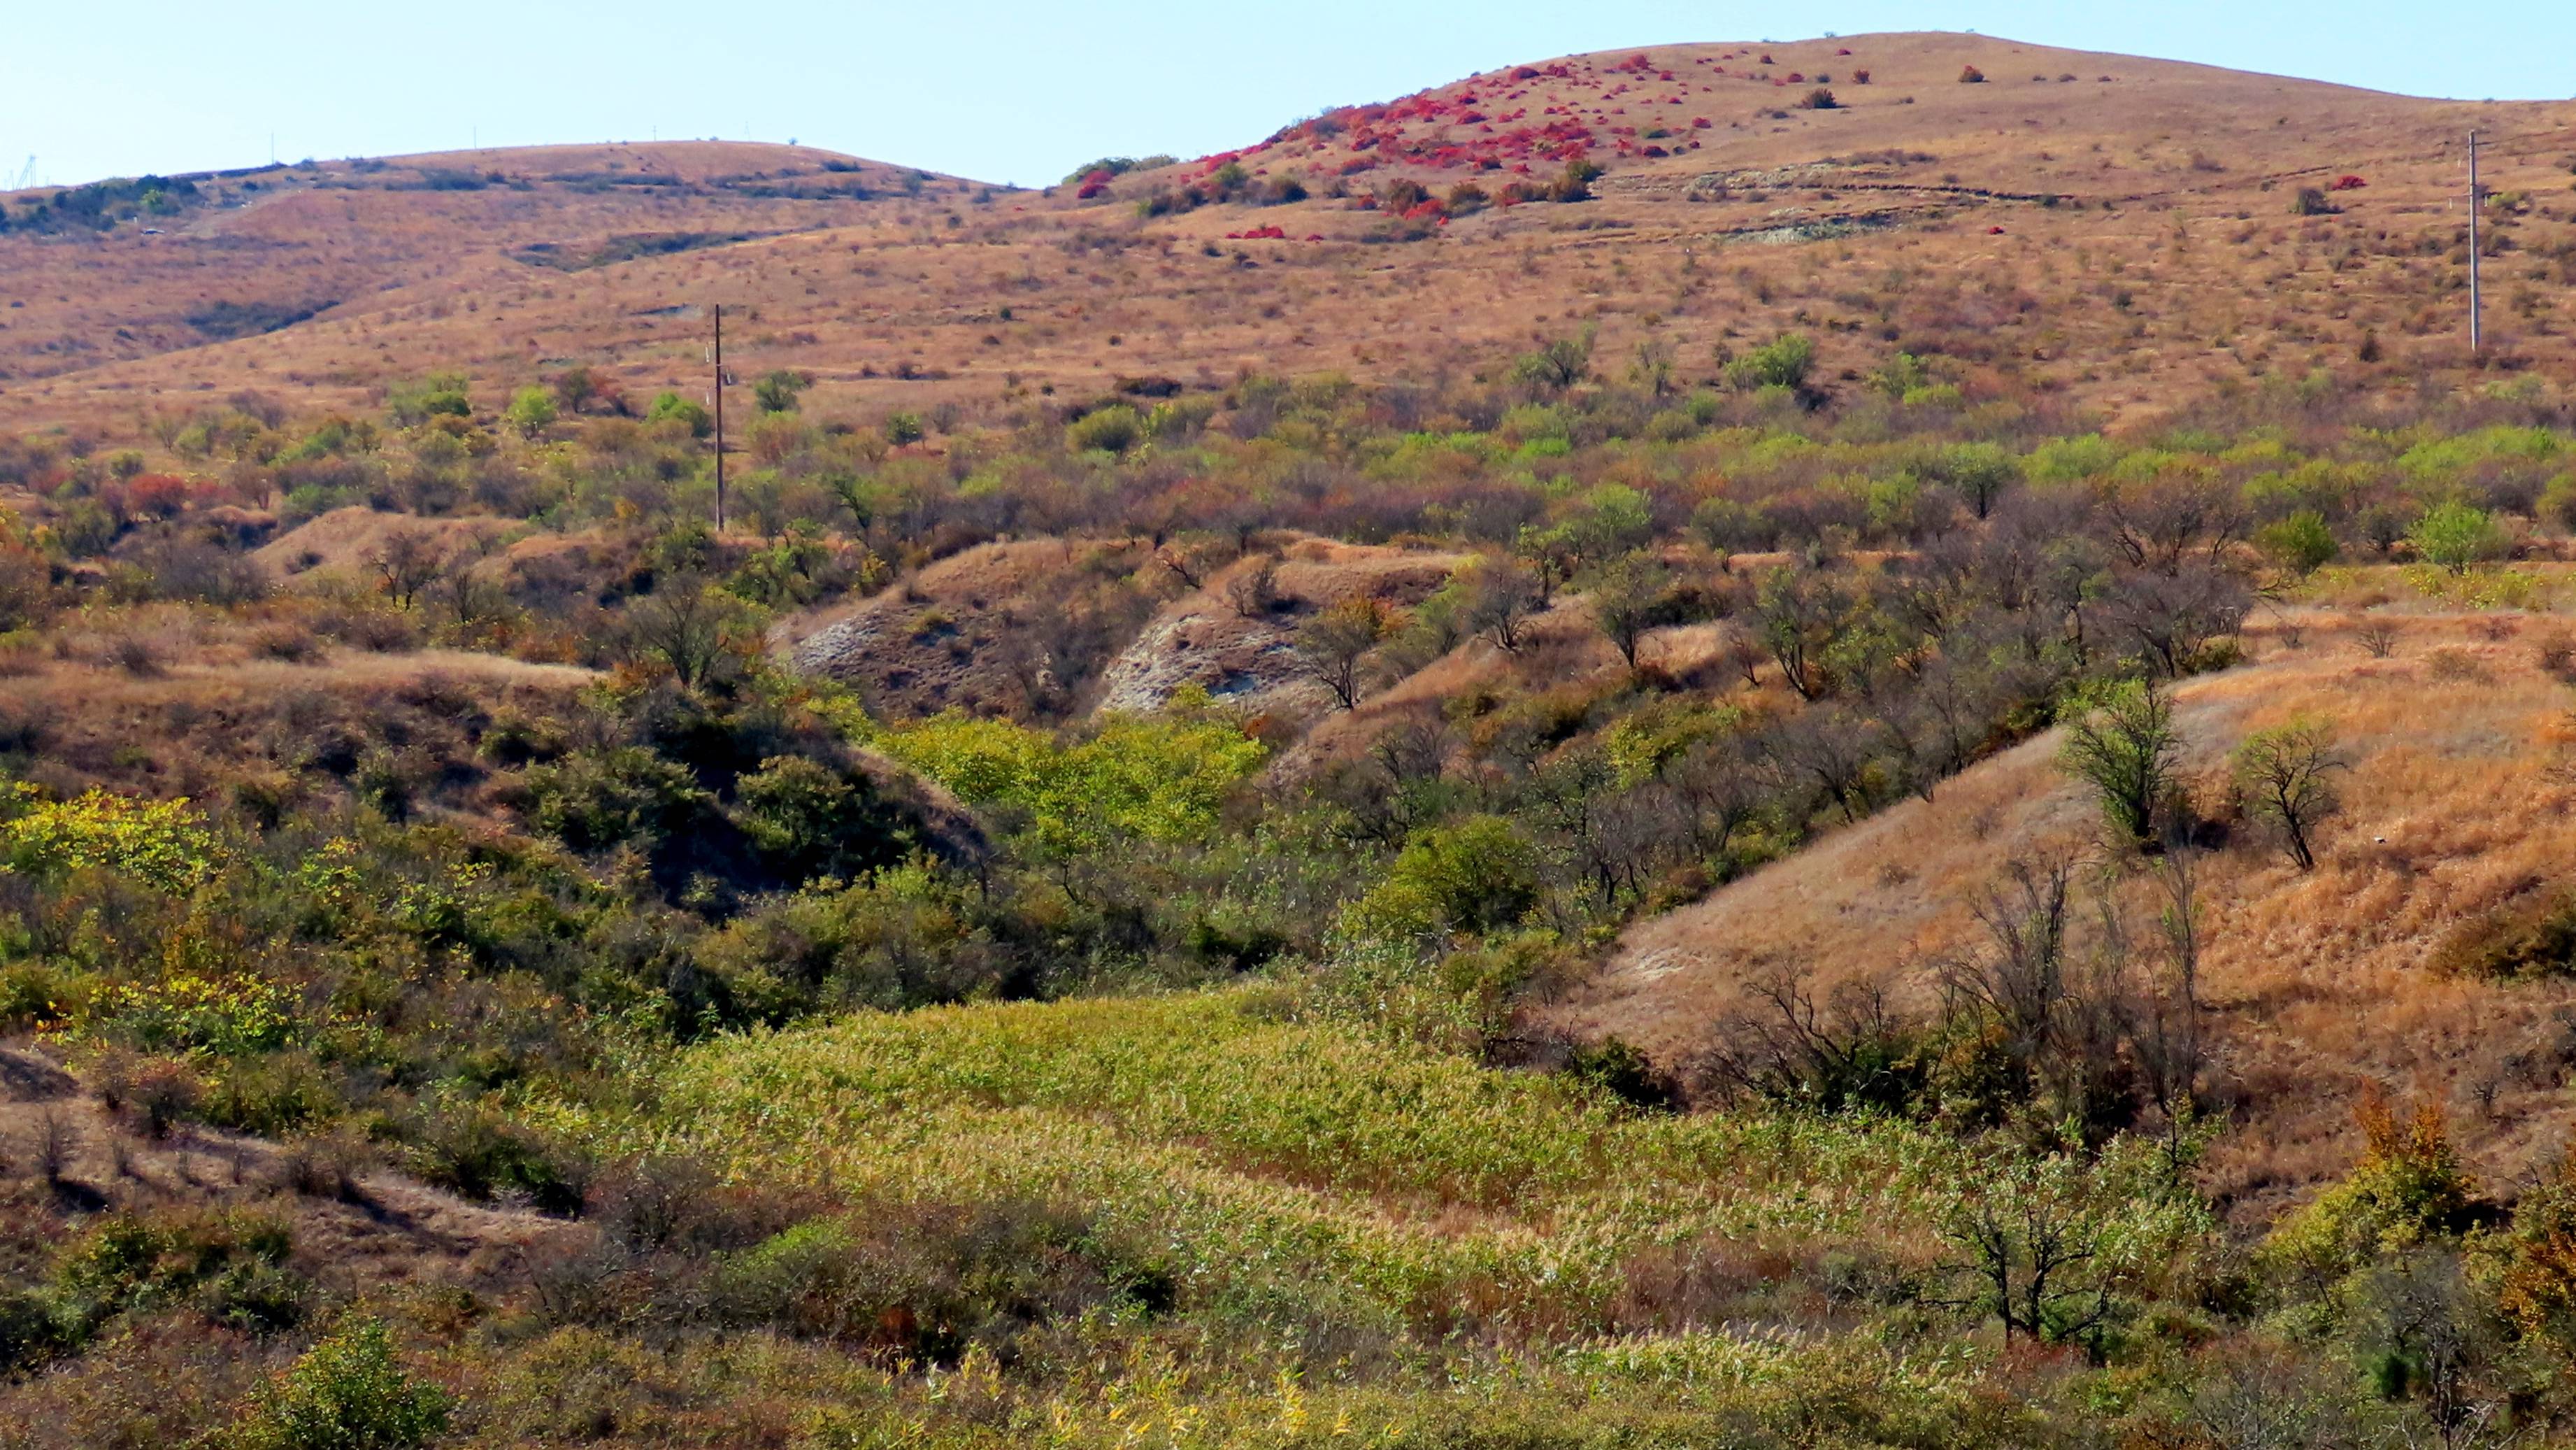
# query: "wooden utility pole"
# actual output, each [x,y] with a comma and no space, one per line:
[2477,323]
[720,415]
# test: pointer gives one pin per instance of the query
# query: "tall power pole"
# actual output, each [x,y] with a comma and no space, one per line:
[2477,324]
[720,418]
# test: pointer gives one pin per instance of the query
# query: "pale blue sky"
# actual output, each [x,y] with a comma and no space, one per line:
[1017,92]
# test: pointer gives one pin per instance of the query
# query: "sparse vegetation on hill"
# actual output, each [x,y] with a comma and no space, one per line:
[1796,886]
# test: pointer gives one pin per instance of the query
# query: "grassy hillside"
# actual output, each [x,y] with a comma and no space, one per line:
[2122,232]
[119,271]
[2319,982]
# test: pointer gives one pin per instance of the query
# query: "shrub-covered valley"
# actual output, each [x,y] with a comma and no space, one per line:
[1802,893]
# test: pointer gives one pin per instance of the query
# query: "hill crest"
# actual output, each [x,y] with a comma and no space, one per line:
[2121,232]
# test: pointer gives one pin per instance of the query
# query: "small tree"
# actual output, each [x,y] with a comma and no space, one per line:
[1500,595]
[776,392]
[1627,600]
[531,411]
[691,628]
[1252,592]
[1977,472]
[2030,1237]
[2284,773]
[1333,642]
[405,563]
[1558,365]
[2300,543]
[1652,368]
[2456,535]
[1783,362]
[672,406]
[2121,740]
[904,429]
[575,387]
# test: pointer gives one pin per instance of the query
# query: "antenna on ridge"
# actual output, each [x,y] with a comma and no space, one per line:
[26,178]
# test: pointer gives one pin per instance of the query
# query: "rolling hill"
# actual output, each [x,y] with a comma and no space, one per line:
[2115,231]
[2318,984]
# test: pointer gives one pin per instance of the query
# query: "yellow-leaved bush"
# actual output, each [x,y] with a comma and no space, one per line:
[163,844]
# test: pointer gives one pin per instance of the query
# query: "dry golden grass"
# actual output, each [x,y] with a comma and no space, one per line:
[2170,264]
[336,546]
[360,238]
[169,700]
[2317,983]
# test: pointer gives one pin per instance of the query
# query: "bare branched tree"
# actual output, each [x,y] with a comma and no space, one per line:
[1332,643]
[2286,774]
[1501,595]
[405,563]
[2028,1236]
[1847,1050]
[2021,979]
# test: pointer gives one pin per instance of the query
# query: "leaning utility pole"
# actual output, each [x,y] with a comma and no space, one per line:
[720,415]
[2477,327]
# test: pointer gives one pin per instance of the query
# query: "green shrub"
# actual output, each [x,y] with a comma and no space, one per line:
[256,1296]
[130,1261]
[2520,941]
[162,844]
[346,1393]
[441,395]
[2456,535]
[531,411]
[2121,740]
[670,406]
[1619,1069]
[1114,429]
[1158,779]
[2300,543]
[1784,362]
[809,820]
[593,800]
[777,392]
[271,1094]
[477,1153]
[934,1281]
[31,1329]
[2537,1287]
[2409,1186]
[1473,876]
[901,938]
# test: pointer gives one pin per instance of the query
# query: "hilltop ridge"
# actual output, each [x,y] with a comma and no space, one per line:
[2115,230]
